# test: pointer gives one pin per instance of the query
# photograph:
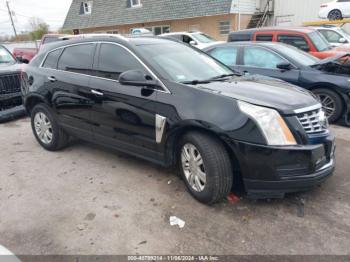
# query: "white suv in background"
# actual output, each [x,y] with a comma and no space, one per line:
[336,36]
[335,10]
[197,39]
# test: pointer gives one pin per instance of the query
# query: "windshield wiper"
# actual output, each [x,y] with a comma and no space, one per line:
[224,76]
[195,82]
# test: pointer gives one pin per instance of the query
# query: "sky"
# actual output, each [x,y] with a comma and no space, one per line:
[53,12]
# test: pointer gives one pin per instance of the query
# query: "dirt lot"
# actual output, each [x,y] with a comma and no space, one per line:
[89,200]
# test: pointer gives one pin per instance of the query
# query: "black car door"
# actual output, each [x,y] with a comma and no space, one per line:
[68,81]
[123,116]
[262,61]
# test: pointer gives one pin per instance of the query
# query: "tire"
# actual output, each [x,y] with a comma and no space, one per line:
[335,15]
[216,165]
[336,103]
[59,138]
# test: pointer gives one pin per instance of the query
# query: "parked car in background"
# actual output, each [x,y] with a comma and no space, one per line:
[27,54]
[305,38]
[197,39]
[327,79]
[336,36]
[221,128]
[10,87]
[335,10]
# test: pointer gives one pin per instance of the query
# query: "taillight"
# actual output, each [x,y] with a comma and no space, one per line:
[324,5]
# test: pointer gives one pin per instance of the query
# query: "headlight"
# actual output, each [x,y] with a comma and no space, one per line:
[271,124]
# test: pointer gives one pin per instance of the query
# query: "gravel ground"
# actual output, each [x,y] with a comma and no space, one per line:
[90,200]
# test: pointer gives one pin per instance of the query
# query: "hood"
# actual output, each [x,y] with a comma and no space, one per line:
[12,68]
[331,59]
[263,91]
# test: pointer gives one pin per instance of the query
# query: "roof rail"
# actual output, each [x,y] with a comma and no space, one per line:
[84,36]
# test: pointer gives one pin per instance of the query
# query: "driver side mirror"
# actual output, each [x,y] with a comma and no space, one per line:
[193,42]
[285,66]
[137,78]
[21,60]
[342,41]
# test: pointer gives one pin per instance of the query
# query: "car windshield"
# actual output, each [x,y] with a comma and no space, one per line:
[299,56]
[5,56]
[319,41]
[203,38]
[180,63]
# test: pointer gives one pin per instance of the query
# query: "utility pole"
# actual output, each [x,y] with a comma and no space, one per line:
[10,14]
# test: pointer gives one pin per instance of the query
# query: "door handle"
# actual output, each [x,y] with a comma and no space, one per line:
[52,79]
[95,92]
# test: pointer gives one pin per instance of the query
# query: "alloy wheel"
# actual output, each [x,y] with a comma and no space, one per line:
[193,167]
[328,104]
[43,128]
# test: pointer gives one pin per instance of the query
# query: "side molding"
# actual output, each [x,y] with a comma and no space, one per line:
[160,127]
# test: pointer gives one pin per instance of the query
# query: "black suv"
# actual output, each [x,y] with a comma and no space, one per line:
[10,87]
[169,103]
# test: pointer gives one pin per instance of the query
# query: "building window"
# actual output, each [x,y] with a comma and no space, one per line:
[156,30]
[114,32]
[224,27]
[85,8]
[135,3]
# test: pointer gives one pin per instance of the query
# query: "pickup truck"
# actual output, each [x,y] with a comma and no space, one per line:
[26,54]
[305,38]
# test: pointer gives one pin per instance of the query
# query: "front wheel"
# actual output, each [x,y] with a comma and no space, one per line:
[331,102]
[205,167]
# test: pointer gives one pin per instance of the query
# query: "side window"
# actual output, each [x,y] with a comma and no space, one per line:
[264,38]
[294,40]
[187,39]
[77,59]
[331,36]
[262,58]
[114,60]
[52,59]
[226,55]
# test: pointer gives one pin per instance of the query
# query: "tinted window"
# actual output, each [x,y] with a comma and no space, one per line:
[264,38]
[52,59]
[114,60]
[262,58]
[294,40]
[77,59]
[226,55]
[187,39]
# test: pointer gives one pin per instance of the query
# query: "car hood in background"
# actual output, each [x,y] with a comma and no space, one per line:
[331,59]
[10,68]
[269,92]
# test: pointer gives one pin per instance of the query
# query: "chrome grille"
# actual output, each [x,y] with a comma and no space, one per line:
[10,84]
[313,121]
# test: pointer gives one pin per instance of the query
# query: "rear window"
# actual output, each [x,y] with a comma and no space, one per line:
[236,37]
[264,38]
[226,55]
[77,59]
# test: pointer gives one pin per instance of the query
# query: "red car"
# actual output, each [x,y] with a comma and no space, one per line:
[304,38]
[26,54]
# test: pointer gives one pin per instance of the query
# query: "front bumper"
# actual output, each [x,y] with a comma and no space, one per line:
[271,172]
[12,113]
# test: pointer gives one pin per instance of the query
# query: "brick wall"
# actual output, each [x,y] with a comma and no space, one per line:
[208,25]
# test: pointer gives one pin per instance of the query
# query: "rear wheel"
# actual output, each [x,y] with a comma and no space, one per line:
[46,130]
[331,102]
[335,15]
[206,167]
